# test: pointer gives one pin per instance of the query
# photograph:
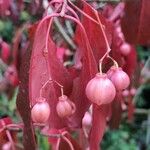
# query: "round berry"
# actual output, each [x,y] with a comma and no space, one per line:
[100,90]
[125,93]
[119,78]
[65,107]
[125,49]
[133,91]
[40,111]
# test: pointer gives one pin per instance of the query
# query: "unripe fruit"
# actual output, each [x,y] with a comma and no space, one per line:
[119,78]
[65,107]
[100,90]
[7,146]
[40,111]
[125,93]
[123,106]
[125,49]
[132,91]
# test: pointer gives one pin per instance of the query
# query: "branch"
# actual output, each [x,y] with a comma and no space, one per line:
[63,32]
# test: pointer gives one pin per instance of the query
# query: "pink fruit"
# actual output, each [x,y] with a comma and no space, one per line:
[65,107]
[125,49]
[7,146]
[100,90]
[119,78]
[40,111]
[125,93]
[132,91]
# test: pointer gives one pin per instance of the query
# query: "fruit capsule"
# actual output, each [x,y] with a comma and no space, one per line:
[100,90]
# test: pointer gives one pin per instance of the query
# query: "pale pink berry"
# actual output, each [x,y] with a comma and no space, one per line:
[125,93]
[7,146]
[123,106]
[119,78]
[100,90]
[40,111]
[133,91]
[65,107]
[125,49]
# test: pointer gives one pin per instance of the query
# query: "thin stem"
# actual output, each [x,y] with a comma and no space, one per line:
[115,62]
[106,41]
[51,135]
[82,12]
[69,143]
[58,143]
[100,66]
[61,88]
[73,12]
[67,140]
[62,13]
[61,29]
[41,90]
[103,32]
[48,30]
[11,140]
[47,36]
[85,133]
[50,81]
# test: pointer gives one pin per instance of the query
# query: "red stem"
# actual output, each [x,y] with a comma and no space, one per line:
[69,143]
[106,41]
[82,12]
[73,12]
[70,18]
[58,143]
[62,13]
[49,81]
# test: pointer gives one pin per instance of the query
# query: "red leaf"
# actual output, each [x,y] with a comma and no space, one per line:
[131,109]
[88,70]
[5,52]
[17,48]
[44,68]
[136,22]
[94,32]
[130,62]
[116,111]
[98,46]
[23,103]
[98,126]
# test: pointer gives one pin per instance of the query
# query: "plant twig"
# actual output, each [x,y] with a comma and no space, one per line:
[63,32]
